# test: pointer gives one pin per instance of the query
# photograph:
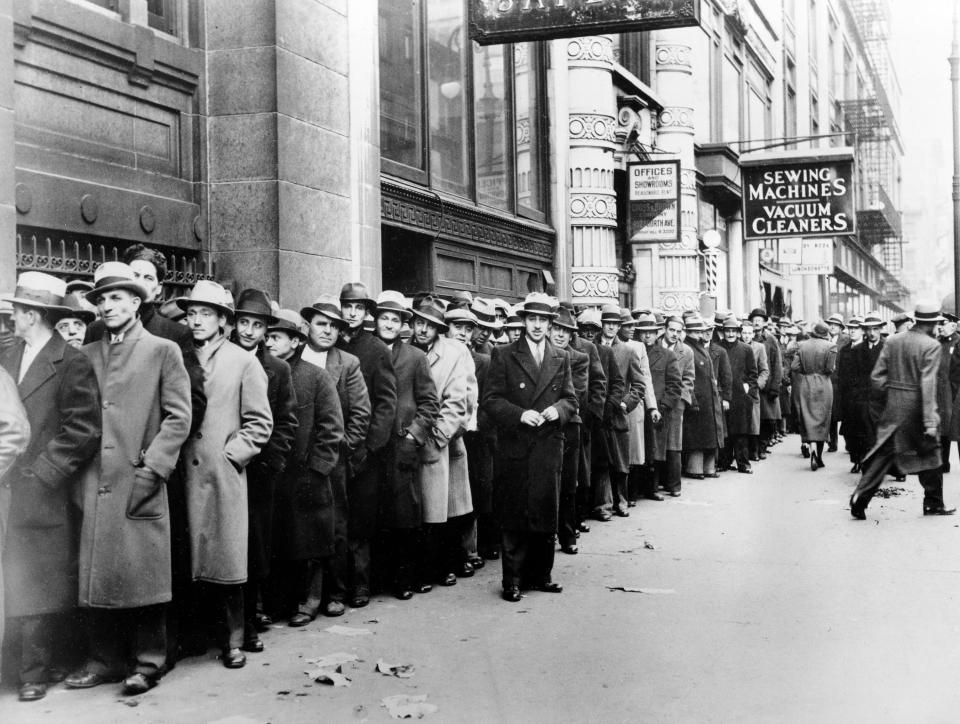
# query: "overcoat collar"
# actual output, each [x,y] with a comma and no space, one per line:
[43,366]
[551,360]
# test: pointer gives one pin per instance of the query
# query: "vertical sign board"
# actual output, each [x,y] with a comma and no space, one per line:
[653,195]
[802,194]
[817,257]
[513,21]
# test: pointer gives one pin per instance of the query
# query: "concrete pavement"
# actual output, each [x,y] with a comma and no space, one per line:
[766,603]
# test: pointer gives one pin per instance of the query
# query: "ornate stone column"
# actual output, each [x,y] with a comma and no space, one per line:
[8,214]
[677,266]
[592,202]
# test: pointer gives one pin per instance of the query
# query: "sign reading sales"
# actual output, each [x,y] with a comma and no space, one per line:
[654,201]
[798,194]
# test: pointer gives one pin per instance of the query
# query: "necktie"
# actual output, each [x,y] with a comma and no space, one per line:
[537,355]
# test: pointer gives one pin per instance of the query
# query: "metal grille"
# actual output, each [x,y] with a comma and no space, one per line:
[77,256]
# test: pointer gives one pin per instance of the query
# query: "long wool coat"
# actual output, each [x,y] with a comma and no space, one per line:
[604,450]
[636,419]
[770,397]
[125,537]
[944,393]
[444,476]
[743,370]
[687,380]
[763,379]
[303,505]
[624,427]
[907,372]
[859,416]
[236,426]
[528,490]
[417,408]
[667,387]
[814,364]
[703,419]
[480,443]
[62,400]
[721,368]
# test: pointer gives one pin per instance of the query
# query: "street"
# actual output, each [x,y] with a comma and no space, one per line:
[763,601]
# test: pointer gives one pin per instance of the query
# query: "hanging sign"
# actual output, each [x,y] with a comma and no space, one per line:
[790,250]
[653,197]
[798,194]
[817,255]
[513,21]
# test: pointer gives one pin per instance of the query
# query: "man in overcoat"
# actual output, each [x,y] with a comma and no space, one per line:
[673,334]
[763,378]
[703,420]
[859,417]
[770,413]
[743,392]
[724,377]
[58,388]
[401,513]
[365,467]
[667,387]
[840,338]
[324,324]
[948,337]
[444,473]
[636,420]
[125,565]
[303,531]
[252,316]
[236,426]
[908,432]
[530,396]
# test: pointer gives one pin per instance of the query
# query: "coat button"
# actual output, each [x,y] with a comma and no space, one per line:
[199,435]
[106,405]
[196,462]
[103,491]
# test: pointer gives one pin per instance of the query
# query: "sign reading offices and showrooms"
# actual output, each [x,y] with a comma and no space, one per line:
[654,201]
[803,194]
[512,21]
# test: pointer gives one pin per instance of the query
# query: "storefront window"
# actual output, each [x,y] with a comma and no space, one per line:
[401,102]
[490,126]
[449,142]
[528,113]
[731,100]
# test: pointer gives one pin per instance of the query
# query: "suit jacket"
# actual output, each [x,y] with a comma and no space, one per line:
[580,371]
[668,387]
[344,368]
[591,407]
[381,382]
[687,372]
[528,495]
[62,400]
[703,426]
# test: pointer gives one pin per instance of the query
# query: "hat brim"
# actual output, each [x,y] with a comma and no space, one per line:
[405,314]
[130,286]
[58,308]
[309,313]
[184,302]
[647,328]
[269,318]
[433,320]
[289,330]
[527,312]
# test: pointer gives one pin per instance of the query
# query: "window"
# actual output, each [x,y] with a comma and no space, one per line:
[730,99]
[759,103]
[449,144]
[832,79]
[635,55]
[530,141]
[489,81]
[401,100]
[814,120]
[162,15]
[790,100]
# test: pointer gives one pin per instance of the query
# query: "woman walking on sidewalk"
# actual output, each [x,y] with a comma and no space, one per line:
[813,365]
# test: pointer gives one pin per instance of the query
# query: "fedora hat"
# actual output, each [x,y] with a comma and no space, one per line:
[327,305]
[647,322]
[695,323]
[209,294]
[610,313]
[431,309]
[287,320]
[357,292]
[835,318]
[731,322]
[79,308]
[590,318]
[79,285]
[927,311]
[820,330]
[460,314]
[872,320]
[485,312]
[854,322]
[41,291]
[901,317]
[391,301]
[256,303]
[115,275]
[171,310]
[537,303]
[5,306]
[565,320]
[758,312]
[513,319]
[720,316]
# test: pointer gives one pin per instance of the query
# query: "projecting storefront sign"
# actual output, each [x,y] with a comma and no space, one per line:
[817,257]
[798,194]
[653,196]
[512,21]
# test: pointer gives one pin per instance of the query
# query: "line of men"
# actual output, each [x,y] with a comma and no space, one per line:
[231,463]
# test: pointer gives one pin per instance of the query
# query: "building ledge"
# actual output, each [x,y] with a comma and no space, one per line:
[718,174]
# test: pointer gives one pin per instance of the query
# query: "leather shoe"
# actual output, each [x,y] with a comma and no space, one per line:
[831,448]
[465,570]
[491,554]
[710,475]
[673,493]
[138,684]
[939,511]
[360,599]
[403,593]
[450,579]
[511,594]
[253,644]
[262,622]
[334,608]
[693,476]
[621,513]
[476,561]
[855,468]
[569,550]
[856,511]
[631,503]
[233,658]
[603,516]
[653,496]
[805,450]
[550,587]
[87,680]
[584,528]
[423,588]
[55,675]
[746,469]
[32,692]
[300,619]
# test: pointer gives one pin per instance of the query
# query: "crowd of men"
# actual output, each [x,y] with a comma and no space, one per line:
[197,470]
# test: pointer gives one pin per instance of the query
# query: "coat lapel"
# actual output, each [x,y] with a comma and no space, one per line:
[43,366]
[334,364]
[552,359]
[521,353]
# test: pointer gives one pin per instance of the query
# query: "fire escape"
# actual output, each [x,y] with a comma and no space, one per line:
[871,118]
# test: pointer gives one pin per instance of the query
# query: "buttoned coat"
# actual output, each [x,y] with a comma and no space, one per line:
[636,419]
[687,380]
[814,365]
[381,382]
[862,408]
[842,341]
[591,406]
[907,372]
[743,371]
[845,379]
[667,386]
[417,408]
[944,392]
[444,476]
[125,536]
[303,505]
[763,379]
[528,491]
[62,400]
[624,426]
[236,426]
[770,397]
[724,377]
[480,443]
[605,450]
[703,419]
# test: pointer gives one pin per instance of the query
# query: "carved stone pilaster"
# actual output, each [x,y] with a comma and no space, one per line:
[676,119]
[592,129]
[595,286]
[673,57]
[593,209]
[592,51]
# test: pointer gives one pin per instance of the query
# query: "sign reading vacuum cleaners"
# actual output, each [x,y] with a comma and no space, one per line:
[798,194]
[512,21]
[654,200]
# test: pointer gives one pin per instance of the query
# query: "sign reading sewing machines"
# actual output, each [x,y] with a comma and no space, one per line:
[798,194]
[512,21]
[654,201]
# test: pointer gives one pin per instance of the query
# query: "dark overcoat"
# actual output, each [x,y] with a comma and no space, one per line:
[381,381]
[687,377]
[479,443]
[417,408]
[303,505]
[944,391]
[744,390]
[814,364]
[125,538]
[787,352]
[668,386]
[62,400]
[770,397]
[845,386]
[703,419]
[907,372]
[591,406]
[633,389]
[527,496]
[724,377]
[842,340]
[858,394]
[604,452]
[955,391]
